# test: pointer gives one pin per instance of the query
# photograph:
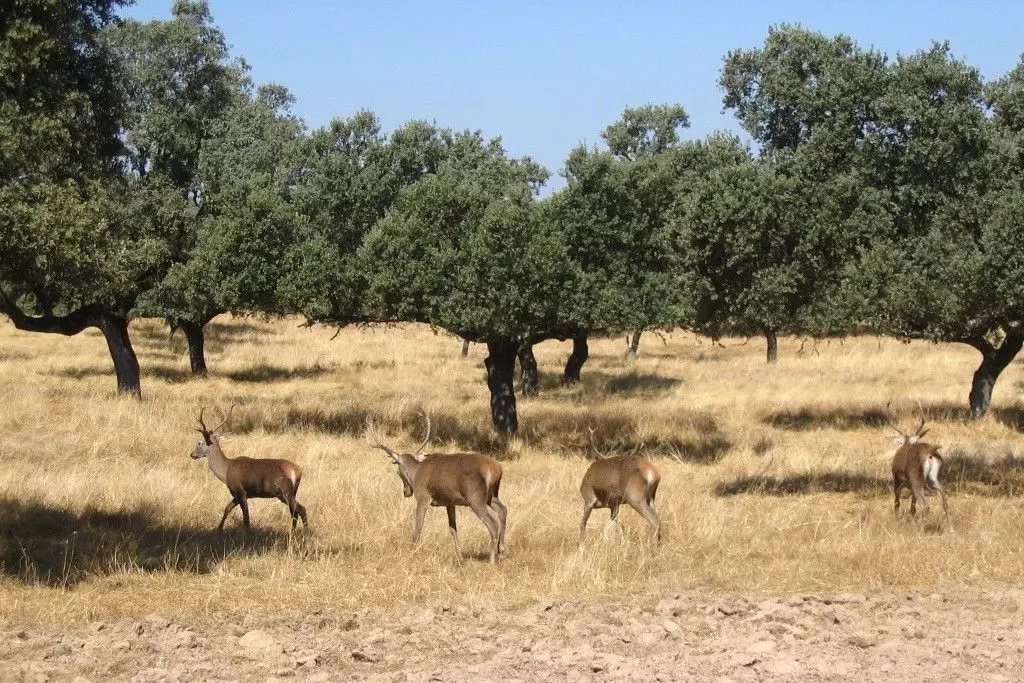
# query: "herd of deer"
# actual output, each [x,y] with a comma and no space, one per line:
[470,479]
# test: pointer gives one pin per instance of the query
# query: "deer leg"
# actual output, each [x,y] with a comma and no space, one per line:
[502,513]
[244,503]
[490,520]
[227,511]
[648,513]
[421,515]
[587,509]
[615,511]
[897,487]
[300,510]
[454,529]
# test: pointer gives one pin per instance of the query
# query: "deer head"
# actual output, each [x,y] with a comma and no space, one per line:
[402,460]
[904,438]
[210,437]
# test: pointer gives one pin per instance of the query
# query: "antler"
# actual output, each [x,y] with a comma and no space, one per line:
[204,430]
[888,420]
[226,419]
[593,444]
[427,437]
[921,431]
[376,440]
[918,433]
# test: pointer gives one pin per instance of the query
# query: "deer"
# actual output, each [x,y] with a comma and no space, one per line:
[449,480]
[612,480]
[250,477]
[915,465]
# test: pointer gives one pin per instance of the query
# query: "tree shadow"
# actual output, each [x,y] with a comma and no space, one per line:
[42,544]
[266,372]
[1000,477]
[1012,417]
[82,372]
[961,473]
[696,437]
[167,373]
[801,484]
[631,383]
[811,418]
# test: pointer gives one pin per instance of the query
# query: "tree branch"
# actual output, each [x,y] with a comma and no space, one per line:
[70,324]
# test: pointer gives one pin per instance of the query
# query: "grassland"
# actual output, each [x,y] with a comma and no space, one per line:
[774,479]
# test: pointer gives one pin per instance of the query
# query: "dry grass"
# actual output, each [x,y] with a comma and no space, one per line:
[774,479]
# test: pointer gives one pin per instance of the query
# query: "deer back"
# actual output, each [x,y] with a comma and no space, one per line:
[262,477]
[913,457]
[442,475]
[615,474]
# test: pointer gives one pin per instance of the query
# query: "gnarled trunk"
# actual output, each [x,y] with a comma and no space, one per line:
[579,355]
[194,333]
[126,363]
[773,345]
[634,345]
[113,326]
[465,348]
[528,366]
[993,362]
[501,365]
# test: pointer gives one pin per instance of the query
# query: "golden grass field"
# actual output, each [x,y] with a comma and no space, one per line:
[774,479]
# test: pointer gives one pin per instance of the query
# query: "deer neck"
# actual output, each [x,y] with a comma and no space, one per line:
[218,461]
[411,467]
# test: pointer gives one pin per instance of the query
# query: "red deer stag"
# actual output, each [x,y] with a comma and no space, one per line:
[613,480]
[250,477]
[916,465]
[448,480]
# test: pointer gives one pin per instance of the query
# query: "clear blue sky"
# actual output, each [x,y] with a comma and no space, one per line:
[547,75]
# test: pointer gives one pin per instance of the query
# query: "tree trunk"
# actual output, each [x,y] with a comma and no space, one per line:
[528,364]
[126,364]
[579,355]
[194,333]
[634,345]
[501,365]
[465,348]
[773,345]
[993,362]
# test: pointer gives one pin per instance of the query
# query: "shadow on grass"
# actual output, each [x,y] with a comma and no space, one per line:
[962,473]
[1012,417]
[171,374]
[983,476]
[807,419]
[630,383]
[265,372]
[83,372]
[810,418]
[798,484]
[41,544]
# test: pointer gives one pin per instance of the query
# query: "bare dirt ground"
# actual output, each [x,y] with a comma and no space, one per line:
[874,636]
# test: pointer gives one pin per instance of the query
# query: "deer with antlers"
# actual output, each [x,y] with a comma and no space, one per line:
[448,480]
[250,477]
[916,465]
[613,480]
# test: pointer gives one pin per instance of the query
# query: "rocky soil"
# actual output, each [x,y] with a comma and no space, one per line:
[878,636]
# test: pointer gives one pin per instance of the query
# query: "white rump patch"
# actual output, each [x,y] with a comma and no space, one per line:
[931,469]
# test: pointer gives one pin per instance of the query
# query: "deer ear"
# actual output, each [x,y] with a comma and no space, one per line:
[914,438]
[419,457]
[896,440]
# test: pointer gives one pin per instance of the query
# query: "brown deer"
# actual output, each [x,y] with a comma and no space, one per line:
[448,480]
[613,480]
[916,465]
[250,477]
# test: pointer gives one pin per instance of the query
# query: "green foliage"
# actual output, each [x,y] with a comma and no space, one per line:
[464,249]
[62,246]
